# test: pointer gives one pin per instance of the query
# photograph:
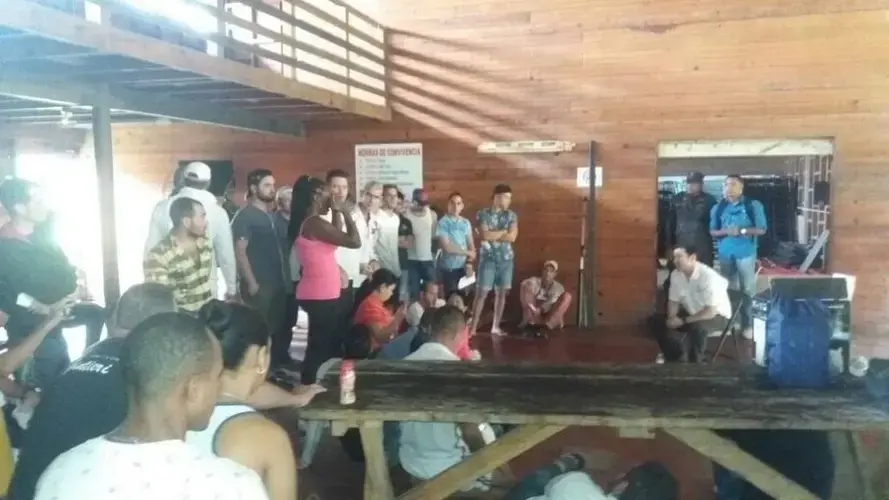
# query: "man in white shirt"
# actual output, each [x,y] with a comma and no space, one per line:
[429,299]
[388,221]
[420,259]
[196,180]
[427,449]
[356,263]
[698,305]
[171,366]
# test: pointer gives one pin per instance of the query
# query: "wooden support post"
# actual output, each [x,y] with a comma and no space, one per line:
[587,313]
[859,466]
[104,155]
[377,484]
[482,462]
[213,48]
[729,455]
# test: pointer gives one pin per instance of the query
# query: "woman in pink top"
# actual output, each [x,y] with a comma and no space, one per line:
[318,291]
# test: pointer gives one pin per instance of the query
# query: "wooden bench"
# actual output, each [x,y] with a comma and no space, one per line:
[688,402]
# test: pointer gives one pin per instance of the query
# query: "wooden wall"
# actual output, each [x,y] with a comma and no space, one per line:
[627,74]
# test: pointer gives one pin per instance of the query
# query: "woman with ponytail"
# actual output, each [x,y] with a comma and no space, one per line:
[236,430]
[318,292]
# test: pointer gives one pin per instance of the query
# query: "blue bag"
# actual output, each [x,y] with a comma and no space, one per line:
[798,342]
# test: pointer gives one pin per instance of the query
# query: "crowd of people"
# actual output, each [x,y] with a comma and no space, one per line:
[174,387]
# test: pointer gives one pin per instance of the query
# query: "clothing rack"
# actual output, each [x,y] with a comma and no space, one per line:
[778,196]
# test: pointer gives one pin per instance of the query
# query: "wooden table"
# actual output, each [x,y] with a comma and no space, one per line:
[686,401]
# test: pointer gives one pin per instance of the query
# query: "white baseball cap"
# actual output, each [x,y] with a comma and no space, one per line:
[197,171]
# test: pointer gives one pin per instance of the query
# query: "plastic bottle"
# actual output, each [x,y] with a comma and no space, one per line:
[347,382]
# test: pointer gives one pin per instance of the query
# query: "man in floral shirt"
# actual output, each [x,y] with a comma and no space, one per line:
[498,228]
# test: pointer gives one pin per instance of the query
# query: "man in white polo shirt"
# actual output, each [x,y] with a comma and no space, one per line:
[698,304]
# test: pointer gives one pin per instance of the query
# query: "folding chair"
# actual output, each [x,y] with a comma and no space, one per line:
[736,297]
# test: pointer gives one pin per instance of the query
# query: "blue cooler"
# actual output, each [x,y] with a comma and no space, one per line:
[798,333]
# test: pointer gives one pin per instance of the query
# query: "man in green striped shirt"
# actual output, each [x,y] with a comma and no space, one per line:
[183,260]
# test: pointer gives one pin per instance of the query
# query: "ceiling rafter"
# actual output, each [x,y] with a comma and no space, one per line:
[39,88]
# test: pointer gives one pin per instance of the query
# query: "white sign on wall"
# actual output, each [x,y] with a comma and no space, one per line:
[583,177]
[399,164]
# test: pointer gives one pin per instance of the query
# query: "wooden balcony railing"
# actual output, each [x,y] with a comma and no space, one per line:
[323,43]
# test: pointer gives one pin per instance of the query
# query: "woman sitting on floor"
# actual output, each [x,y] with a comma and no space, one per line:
[237,431]
[373,312]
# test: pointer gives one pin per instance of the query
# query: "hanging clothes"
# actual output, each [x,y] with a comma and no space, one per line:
[779,198]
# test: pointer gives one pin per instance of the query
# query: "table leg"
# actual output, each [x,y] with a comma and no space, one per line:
[732,457]
[492,456]
[853,441]
[377,484]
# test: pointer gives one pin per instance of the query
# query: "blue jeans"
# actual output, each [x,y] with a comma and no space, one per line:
[495,274]
[742,270]
[450,278]
[419,272]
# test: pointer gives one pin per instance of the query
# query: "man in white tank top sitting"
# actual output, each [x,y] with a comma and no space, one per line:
[698,304]
[171,366]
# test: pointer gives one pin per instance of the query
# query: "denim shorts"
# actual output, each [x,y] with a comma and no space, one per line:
[495,273]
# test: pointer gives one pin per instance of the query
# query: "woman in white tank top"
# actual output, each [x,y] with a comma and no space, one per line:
[236,431]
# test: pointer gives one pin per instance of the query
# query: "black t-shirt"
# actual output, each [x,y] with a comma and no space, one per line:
[87,401]
[405,228]
[260,230]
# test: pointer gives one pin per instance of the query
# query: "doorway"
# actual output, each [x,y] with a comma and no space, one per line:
[790,178]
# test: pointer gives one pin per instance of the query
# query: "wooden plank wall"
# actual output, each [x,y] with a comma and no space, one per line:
[627,74]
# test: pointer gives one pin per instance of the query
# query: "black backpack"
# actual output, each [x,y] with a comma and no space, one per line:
[649,481]
[720,208]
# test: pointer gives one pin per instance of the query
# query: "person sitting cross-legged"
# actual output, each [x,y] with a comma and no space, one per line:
[698,304]
[429,299]
[373,311]
[171,366]
[428,448]
[544,300]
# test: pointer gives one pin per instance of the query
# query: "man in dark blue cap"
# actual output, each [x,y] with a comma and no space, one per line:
[689,222]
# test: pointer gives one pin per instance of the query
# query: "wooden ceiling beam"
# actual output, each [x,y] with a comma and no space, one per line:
[24,49]
[94,66]
[28,16]
[39,88]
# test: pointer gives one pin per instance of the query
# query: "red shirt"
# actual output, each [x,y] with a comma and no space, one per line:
[372,311]
[463,351]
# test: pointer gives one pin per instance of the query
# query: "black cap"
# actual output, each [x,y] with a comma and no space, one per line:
[695,178]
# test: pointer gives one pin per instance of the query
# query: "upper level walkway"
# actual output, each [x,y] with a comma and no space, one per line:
[264,65]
